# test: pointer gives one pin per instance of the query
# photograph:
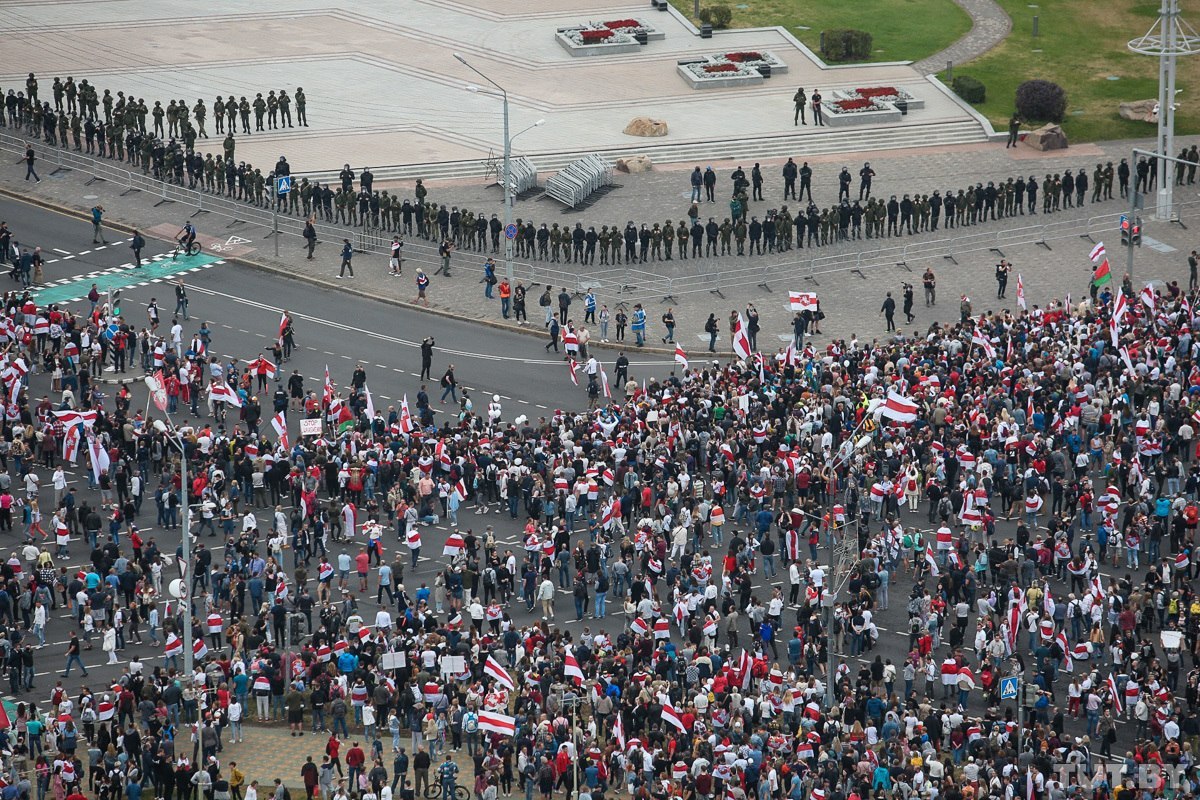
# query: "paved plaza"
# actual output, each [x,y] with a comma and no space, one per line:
[383,88]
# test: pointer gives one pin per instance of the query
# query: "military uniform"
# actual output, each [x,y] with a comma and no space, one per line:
[285,108]
[200,112]
[272,110]
[219,114]
[244,112]
[668,235]
[681,236]
[301,117]
[260,110]
[725,232]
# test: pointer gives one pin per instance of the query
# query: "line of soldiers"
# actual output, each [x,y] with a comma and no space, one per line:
[76,105]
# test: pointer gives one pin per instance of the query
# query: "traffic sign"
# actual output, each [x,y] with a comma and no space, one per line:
[510,231]
[283,184]
[1008,688]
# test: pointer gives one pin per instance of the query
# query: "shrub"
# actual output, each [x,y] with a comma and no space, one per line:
[1041,100]
[970,89]
[878,91]
[718,16]
[845,45]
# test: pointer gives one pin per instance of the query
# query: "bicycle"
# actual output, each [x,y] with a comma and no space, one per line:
[433,791]
[190,249]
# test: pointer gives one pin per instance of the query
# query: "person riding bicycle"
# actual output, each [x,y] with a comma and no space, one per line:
[186,235]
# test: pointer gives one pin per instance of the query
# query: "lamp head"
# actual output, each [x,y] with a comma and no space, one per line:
[472,88]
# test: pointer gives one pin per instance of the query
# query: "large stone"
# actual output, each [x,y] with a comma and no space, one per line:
[1140,111]
[645,126]
[1047,137]
[635,164]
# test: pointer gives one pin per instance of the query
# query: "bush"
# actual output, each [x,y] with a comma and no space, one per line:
[969,89]
[717,16]
[1041,100]
[845,45]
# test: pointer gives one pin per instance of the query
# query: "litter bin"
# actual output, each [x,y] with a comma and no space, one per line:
[764,70]
[706,31]
[642,37]
[902,107]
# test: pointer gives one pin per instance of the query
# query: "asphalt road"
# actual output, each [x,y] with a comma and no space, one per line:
[243,305]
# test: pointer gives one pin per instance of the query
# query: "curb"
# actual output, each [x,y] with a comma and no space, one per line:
[345,289]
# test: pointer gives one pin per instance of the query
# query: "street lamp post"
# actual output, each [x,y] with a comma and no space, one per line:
[829,602]
[172,436]
[506,178]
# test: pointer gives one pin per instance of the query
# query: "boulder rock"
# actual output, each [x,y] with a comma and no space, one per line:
[635,164]
[645,126]
[1047,137]
[1140,110]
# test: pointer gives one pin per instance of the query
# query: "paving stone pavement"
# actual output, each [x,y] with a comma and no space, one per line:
[268,752]
[850,300]
[989,27]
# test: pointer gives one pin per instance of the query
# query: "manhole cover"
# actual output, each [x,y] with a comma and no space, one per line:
[90,196]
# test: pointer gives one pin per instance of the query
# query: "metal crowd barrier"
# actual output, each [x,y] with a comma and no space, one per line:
[578,180]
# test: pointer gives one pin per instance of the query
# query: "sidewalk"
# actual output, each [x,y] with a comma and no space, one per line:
[269,753]
[847,298]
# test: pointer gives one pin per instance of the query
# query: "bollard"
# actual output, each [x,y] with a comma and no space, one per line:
[1035,26]
[949,70]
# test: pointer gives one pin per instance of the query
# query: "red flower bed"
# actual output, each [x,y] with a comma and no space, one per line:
[742,57]
[854,105]
[618,24]
[878,91]
[595,36]
[715,68]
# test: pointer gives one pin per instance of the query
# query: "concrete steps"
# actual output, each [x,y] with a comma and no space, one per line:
[801,144]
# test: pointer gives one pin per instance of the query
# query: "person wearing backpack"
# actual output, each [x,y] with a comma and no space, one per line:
[470,727]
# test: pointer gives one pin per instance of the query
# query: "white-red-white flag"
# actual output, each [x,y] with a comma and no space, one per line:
[801,301]
[899,408]
[681,356]
[497,723]
[1021,292]
[741,341]
[492,667]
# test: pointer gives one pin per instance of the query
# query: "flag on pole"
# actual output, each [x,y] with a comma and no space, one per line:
[899,408]
[279,424]
[571,668]
[681,356]
[98,455]
[1097,252]
[492,667]
[283,323]
[71,443]
[573,365]
[1111,683]
[1149,298]
[932,562]
[406,421]
[497,723]
[1021,293]
[261,366]
[741,342]
[604,382]
[370,409]
[1102,274]
[327,391]
[669,714]
[619,730]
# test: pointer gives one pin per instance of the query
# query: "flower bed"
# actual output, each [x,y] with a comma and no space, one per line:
[594,36]
[753,59]
[740,58]
[611,37]
[708,74]
[851,106]
[878,91]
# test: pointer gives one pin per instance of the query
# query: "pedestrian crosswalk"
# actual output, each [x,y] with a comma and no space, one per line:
[155,269]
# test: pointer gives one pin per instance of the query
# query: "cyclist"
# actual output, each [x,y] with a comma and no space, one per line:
[448,773]
[186,235]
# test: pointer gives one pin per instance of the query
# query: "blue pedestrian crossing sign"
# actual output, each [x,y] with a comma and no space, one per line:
[1008,688]
[283,184]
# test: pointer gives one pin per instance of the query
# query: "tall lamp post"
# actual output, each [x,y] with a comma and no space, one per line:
[172,435]
[1169,38]
[505,182]
[829,600]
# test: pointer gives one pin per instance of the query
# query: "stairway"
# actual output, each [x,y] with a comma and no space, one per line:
[799,145]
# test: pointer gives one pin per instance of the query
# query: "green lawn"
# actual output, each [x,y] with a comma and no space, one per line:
[902,30]
[1081,44]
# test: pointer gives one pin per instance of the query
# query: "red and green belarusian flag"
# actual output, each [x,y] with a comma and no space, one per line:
[1102,275]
